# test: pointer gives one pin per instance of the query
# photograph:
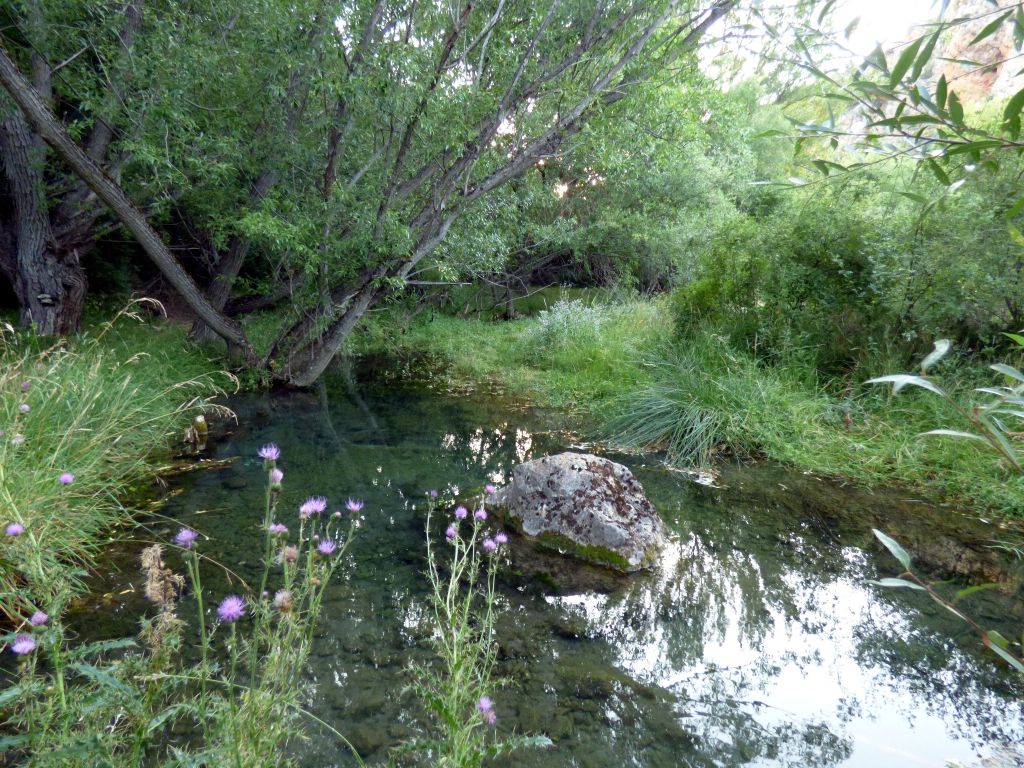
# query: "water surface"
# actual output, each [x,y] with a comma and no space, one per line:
[757,642]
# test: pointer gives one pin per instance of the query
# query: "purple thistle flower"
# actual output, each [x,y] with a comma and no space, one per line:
[480,514]
[277,528]
[490,717]
[276,476]
[38,619]
[185,538]
[501,538]
[314,505]
[433,494]
[461,512]
[231,608]
[485,704]
[25,386]
[450,532]
[14,529]
[66,478]
[326,547]
[270,452]
[23,644]
[24,407]
[354,505]
[489,489]
[489,545]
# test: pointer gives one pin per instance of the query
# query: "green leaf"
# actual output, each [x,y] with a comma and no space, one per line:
[897,551]
[972,147]
[1011,113]
[104,679]
[103,645]
[877,59]
[1008,370]
[172,712]
[953,433]
[939,174]
[998,644]
[915,197]
[901,583]
[904,62]
[968,591]
[926,54]
[900,380]
[956,109]
[989,28]
[1015,337]
[941,90]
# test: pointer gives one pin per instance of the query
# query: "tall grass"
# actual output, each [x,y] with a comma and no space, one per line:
[95,409]
[637,386]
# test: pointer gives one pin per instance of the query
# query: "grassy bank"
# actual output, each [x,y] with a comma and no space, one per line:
[84,420]
[700,400]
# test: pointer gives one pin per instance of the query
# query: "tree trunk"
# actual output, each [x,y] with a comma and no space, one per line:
[50,286]
[54,134]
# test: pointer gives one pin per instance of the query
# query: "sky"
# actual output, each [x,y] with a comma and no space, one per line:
[881,21]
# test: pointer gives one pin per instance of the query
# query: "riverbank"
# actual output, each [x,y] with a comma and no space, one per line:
[85,421]
[619,368]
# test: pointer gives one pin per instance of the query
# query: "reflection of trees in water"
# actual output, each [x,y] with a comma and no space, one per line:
[789,601]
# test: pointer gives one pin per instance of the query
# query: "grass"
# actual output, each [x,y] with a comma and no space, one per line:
[103,406]
[620,368]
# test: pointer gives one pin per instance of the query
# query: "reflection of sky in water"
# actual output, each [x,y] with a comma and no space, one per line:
[758,642]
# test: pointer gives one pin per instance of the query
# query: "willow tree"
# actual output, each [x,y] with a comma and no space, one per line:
[390,121]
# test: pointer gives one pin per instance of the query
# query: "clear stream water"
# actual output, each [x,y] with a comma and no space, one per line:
[759,640]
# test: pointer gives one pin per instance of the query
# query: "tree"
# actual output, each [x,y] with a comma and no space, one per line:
[422,112]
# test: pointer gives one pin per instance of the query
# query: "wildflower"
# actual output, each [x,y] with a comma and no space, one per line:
[289,554]
[14,529]
[461,512]
[354,505]
[489,545]
[336,515]
[25,386]
[24,408]
[23,644]
[501,538]
[18,440]
[480,514]
[450,532]
[433,494]
[277,528]
[38,619]
[326,547]
[231,608]
[185,538]
[283,600]
[486,708]
[314,505]
[66,478]
[276,476]
[270,452]
[489,489]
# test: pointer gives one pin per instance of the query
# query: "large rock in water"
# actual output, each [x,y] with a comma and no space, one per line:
[586,506]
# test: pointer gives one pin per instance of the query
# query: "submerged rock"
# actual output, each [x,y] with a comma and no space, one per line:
[586,506]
